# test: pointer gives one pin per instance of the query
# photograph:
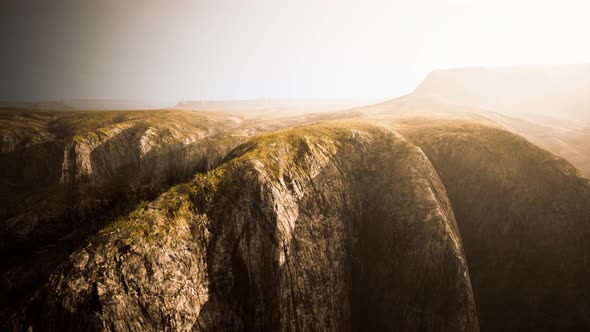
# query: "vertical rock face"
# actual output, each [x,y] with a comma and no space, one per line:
[133,275]
[524,217]
[340,226]
[318,228]
[71,172]
[65,174]
[81,153]
[90,160]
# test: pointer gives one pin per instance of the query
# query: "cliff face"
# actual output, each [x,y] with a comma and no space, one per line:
[83,159]
[197,221]
[329,228]
[68,174]
[64,166]
[523,215]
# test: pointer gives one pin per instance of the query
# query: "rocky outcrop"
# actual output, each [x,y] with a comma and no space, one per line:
[337,226]
[524,218]
[96,166]
[23,129]
[69,173]
[116,141]
[324,228]
[96,156]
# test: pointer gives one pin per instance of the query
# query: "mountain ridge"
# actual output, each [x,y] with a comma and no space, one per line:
[419,213]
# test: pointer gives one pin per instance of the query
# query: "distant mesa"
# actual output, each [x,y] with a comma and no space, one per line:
[549,90]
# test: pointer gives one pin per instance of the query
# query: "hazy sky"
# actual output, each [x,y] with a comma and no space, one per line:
[218,49]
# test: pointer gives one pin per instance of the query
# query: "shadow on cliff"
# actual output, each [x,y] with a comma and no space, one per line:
[63,216]
[370,245]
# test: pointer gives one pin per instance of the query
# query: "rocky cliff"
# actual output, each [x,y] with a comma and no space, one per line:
[80,158]
[330,228]
[387,222]
[66,174]
[524,216]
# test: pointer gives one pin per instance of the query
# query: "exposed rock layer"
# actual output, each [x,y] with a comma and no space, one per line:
[338,226]
[324,228]
[524,216]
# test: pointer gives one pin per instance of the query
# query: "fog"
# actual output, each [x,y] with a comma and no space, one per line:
[192,50]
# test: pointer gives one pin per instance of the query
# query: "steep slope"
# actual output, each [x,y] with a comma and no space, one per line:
[342,225]
[524,218]
[81,153]
[326,227]
[65,174]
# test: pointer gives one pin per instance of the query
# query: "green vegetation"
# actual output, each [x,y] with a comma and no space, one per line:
[131,221]
[276,152]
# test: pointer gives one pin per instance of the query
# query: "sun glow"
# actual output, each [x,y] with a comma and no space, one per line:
[504,32]
[222,49]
